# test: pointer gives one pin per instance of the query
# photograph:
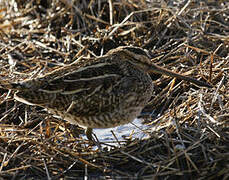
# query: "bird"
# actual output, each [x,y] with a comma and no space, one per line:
[100,92]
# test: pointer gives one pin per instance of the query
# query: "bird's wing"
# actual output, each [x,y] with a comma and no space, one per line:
[88,86]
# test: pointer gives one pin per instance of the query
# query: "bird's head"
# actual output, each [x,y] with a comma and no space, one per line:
[140,58]
[134,55]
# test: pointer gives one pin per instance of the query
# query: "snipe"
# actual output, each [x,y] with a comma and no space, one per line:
[102,92]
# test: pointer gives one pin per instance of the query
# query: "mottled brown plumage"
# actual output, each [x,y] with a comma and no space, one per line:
[102,92]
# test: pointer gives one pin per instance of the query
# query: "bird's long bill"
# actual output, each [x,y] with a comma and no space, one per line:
[161,70]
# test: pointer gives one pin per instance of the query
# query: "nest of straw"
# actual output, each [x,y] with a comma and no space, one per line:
[189,137]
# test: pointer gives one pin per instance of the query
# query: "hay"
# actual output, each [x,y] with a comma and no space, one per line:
[189,136]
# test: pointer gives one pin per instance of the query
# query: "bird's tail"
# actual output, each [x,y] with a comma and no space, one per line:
[14,85]
[9,85]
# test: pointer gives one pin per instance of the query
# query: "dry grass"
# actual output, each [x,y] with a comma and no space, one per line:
[190,131]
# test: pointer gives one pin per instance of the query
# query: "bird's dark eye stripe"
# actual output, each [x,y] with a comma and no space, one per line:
[137,51]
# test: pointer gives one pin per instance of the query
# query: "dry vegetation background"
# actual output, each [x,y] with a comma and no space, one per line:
[190,128]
